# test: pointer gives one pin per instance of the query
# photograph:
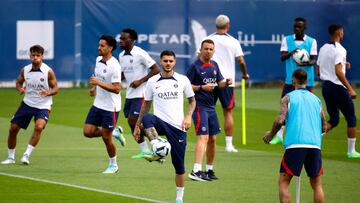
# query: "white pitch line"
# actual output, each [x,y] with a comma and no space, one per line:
[82,187]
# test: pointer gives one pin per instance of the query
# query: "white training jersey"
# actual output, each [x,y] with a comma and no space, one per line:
[107,72]
[330,55]
[313,50]
[34,81]
[135,66]
[227,48]
[168,97]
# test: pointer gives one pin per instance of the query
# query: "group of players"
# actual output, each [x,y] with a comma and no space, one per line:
[210,77]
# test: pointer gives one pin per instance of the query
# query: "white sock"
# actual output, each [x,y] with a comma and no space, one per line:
[29,149]
[11,153]
[351,145]
[112,161]
[144,147]
[179,193]
[228,140]
[209,167]
[280,133]
[197,167]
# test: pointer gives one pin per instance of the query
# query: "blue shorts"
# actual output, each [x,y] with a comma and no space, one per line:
[99,117]
[338,98]
[294,159]
[25,112]
[226,97]
[206,121]
[132,107]
[289,88]
[176,138]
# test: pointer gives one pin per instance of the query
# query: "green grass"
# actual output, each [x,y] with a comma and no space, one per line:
[65,156]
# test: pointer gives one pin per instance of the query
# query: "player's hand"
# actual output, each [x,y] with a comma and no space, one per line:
[186,124]
[353,94]
[209,87]
[267,137]
[229,81]
[135,83]
[93,80]
[348,65]
[22,90]
[44,92]
[293,52]
[246,76]
[137,131]
[92,91]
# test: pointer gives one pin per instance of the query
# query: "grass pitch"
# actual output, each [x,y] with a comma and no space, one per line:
[66,167]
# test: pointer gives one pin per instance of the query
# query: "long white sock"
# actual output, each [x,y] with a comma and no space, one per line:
[11,153]
[29,149]
[209,167]
[112,161]
[351,145]
[228,140]
[197,167]
[280,133]
[144,147]
[180,193]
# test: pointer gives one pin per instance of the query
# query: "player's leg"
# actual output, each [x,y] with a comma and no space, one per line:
[318,193]
[107,127]
[20,120]
[93,120]
[284,192]
[313,167]
[330,96]
[214,129]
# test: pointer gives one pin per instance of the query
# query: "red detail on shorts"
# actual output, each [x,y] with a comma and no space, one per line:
[142,100]
[231,104]
[114,117]
[198,120]
[204,65]
[320,171]
[287,169]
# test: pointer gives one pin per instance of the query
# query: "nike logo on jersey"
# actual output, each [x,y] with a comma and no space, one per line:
[157,87]
[202,73]
[135,112]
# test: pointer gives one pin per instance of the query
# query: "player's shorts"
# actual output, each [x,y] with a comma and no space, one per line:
[132,107]
[99,117]
[294,159]
[176,138]
[289,88]
[25,112]
[226,97]
[206,121]
[338,98]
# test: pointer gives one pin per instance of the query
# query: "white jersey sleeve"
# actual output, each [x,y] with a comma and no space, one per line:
[284,46]
[313,50]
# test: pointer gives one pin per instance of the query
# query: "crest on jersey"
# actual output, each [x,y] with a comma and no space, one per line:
[42,79]
[104,70]
[203,128]
[131,60]
[176,85]
[214,72]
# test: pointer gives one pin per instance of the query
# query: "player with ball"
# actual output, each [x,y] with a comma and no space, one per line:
[167,89]
[298,51]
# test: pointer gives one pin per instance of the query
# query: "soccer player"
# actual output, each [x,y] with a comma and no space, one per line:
[336,89]
[40,86]
[105,86]
[227,49]
[204,75]
[289,45]
[302,142]
[168,89]
[135,64]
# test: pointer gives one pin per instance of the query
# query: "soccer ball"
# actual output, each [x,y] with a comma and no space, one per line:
[161,148]
[301,56]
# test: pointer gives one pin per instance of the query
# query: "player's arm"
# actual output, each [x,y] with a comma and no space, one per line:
[344,81]
[54,89]
[154,69]
[243,67]
[191,108]
[20,82]
[279,121]
[311,61]
[114,87]
[225,83]
[145,108]
[284,55]
[325,126]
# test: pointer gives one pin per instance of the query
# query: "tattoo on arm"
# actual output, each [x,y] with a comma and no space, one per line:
[323,121]
[144,109]
[192,105]
[280,120]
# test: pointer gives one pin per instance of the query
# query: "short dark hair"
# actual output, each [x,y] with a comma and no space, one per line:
[333,28]
[301,76]
[37,49]
[207,41]
[167,53]
[300,19]
[110,40]
[133,34]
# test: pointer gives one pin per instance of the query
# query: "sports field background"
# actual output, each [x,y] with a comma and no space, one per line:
[65,157]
